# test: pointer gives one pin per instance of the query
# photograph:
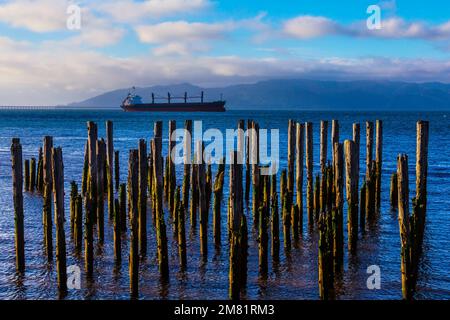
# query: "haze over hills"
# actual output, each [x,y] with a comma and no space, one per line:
[301,94]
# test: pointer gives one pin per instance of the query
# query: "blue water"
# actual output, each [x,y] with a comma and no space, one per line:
[296,275]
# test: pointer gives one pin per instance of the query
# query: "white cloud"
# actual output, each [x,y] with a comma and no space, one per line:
[174,31]
[131,11]
[37,16]
[306,27]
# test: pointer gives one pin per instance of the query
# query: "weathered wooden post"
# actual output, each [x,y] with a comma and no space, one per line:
[263,241]
[405,227]
[420,203]
[117,233]
[247,160]
[73,200]
[393,194]
[78,224]
[109,167]
[134,224]
[286,213]
[17,179]
[172,177]
[334,136]
[203,213]
[317,197]
[370,191]
[352,193]
[93,167]
[255,173]
[299,150]
[295,217]
[123,207]
[85,173]
[326,275]
[116,169]
[32,174]
[163,259]
[291,156]
[27,174]
[338,212]
[176,205]
[275,221]
[194,196]
[181,212]
[356,136]
[309,172]
[142,197]
[58,196]
[187,161]
[369,148]
[40,172]
[47,201]
[378,163]
[101,155]
[323,145]
[218,195]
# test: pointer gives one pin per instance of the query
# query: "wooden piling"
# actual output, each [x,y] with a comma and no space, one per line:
[420,202]
[176,205]
[352,193]
[286,214]
[338,212]
[317,197]
[40,172]
[117,232]
[27,174]
[203,213]
[163,259]
[109,167]
[362,206]
[393,193]
[58,196]
[295,217]
[247,161]
[78,224]
[142,196]
[299,150]
[326,275]
[17,180]
[116,169]
[101,155]
[405,227]
[334,136]
[378,163]
[73,200]
[218,195]
[194,196]
[32,174]
[181,212]
[172,175]
[85,174]
[323,144]
[187,162]
[263,240]
[134,223]
[356,136]
[309,172]
[370,191]
[275,221]
[93,168]
[47,202]
[122,204]
[291,155]
[369,147]
[255,173]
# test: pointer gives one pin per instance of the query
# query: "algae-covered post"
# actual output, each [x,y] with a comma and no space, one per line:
[323,145]
[47,202]
[134,216]
[58,196]
[378,163]
[109,166]
[351,183]
[142,196]
[17,179]
[309,171]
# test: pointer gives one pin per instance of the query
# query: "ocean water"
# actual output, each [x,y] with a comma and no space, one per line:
[294,277]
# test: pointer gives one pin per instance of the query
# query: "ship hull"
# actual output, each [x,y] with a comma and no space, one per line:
[216,106]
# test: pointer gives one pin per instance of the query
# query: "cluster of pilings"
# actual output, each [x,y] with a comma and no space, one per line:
[152,181]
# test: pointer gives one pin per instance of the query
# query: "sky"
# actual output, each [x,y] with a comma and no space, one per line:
[60,51]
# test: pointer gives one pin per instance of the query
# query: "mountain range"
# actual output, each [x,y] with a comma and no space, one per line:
[300,94]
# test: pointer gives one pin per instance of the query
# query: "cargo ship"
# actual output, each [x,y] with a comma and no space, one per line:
[134,103]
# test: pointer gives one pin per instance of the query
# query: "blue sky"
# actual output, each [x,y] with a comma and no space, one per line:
[121,43]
